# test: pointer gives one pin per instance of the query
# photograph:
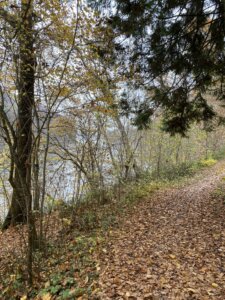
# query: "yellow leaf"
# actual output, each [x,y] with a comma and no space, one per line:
[23,298]
[66,221]
[172,256]
[216,236]
[47,284]
[192,290]
[163,280]
[47,297]
[96,291]
[13,277]
[215,285]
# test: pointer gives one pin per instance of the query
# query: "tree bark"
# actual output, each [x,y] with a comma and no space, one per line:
[21,181]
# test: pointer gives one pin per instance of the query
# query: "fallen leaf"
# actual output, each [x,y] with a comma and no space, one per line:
[47,296]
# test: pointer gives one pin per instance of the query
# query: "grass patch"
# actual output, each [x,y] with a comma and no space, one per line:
[173,172]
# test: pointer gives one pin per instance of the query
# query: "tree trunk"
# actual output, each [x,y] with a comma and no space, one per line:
[130,161]
[21,182]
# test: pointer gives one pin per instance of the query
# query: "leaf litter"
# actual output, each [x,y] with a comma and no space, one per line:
[172,246]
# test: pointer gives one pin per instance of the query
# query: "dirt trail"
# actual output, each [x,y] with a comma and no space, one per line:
[171,247]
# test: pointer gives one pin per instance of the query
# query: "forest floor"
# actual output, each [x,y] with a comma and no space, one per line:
[162,241]
[171,245]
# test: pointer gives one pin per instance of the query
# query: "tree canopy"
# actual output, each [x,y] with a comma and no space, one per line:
[177,48]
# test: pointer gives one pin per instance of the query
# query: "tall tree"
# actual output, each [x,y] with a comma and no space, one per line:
[20,177]
[28,40]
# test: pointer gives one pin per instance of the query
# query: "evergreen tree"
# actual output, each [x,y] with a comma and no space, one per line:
[177,48]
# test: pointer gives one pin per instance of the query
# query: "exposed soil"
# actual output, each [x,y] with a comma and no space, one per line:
[172,246]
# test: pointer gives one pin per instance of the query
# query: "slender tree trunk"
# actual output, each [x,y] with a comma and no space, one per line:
[130,161]
[159,158]
[36,196]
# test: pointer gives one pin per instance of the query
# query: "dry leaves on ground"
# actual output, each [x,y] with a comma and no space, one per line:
[171,246]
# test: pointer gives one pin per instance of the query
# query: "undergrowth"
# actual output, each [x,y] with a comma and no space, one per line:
[69,270]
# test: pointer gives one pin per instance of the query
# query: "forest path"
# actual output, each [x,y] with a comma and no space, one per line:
[172,246]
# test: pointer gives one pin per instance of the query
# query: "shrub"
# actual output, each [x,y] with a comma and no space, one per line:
[207,162]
